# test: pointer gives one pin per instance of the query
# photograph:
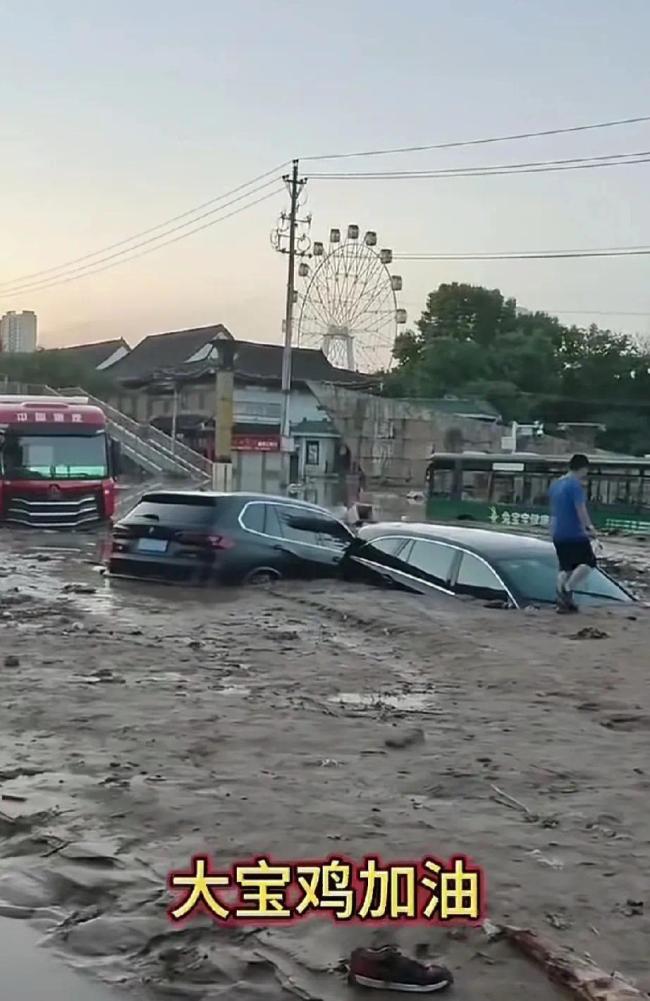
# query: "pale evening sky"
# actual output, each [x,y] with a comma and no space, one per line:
[117,116]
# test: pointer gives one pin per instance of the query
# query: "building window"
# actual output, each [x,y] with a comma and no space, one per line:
[255,408]
[312,453]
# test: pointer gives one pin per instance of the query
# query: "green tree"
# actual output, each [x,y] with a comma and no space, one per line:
[466,313]
[52,368]
[471,341]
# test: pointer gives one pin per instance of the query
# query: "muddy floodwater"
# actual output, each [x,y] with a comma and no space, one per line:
[141,725]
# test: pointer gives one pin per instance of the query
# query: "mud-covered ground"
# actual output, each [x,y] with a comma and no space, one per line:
[142,725]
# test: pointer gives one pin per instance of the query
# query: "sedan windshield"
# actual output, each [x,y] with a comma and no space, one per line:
[53,456]
[535,578]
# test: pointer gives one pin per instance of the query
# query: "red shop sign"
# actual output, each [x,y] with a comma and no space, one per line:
[253,443]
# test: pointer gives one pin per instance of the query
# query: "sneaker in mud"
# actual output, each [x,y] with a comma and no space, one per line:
[388,969]
[565,603]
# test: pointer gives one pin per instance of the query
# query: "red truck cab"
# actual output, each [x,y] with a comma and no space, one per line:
[57,463]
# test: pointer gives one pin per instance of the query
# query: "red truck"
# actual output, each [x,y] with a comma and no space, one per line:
[57,463]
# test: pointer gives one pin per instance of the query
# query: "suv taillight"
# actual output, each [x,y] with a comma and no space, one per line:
[200,539]
[220,542]
[121,532]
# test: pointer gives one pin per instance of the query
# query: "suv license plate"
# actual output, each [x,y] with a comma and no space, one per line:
[152,545]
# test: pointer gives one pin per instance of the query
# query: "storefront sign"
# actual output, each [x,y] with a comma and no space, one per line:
[255,443]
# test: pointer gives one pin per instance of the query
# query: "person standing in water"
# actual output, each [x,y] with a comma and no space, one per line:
[572,532]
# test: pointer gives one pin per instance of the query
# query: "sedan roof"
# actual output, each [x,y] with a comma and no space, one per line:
[491,543]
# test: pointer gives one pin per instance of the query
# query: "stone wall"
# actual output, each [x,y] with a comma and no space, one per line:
[391,440]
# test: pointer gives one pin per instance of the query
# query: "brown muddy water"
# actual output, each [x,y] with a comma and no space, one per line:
[140,725]
[29,973]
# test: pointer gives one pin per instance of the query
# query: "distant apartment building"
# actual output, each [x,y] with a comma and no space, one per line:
[18,332]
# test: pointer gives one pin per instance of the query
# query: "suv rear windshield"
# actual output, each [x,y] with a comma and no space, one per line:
[169,509]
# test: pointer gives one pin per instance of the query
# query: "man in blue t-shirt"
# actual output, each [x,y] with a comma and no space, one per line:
[572,531]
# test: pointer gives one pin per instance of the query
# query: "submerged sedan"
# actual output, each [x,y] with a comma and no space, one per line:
[516,570]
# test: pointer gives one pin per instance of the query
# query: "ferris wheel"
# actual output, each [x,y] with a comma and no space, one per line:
[348,302]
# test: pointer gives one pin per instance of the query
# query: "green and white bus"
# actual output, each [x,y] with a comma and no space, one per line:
[511,490]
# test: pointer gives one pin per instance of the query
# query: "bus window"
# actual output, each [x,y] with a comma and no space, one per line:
[475,485]
[610,490]
[536,486]
[622,492]
[519,489]
[502,489]
[636,490]
[597,490]
[644,491]
[442,482]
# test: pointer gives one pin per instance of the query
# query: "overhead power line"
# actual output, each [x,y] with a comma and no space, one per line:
[558,310]
[533,167]
[529,255]
[609,403]
[93,262]
[93,269]
[602,312]
[153,229]
[484,141]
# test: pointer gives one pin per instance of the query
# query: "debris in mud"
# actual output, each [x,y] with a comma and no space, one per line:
[551,862]
[516,804]
[79,589]
[558,921]
[12,661]
[405,738]
[590,633]
[8,774]
[630,908]
[605,825]
[627,721]
[389,704]
[580,976]
[492,931]
[103,676]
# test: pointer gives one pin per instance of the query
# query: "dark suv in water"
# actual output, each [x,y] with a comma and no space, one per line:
[232,538]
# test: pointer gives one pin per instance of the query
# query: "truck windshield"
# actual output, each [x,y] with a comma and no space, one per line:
[48,456]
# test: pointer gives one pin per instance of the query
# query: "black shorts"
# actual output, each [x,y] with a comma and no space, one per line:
[575,554]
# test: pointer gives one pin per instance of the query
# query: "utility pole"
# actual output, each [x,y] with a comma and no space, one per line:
[287,230]
[174,416]
[223,351]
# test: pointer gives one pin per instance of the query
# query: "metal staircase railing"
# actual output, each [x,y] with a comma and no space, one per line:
[168,454]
